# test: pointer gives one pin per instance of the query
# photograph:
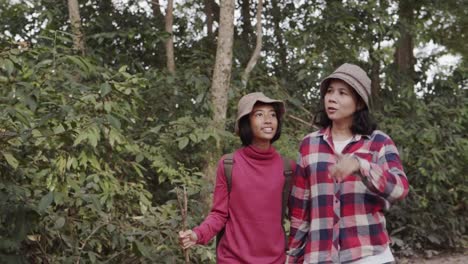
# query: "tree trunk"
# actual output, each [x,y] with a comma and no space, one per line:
[155,7]
[75,20]
[404,58]
[281,68]
[222,69]
[247,30]
[375,83]
[159,61]
[258,46]
[221,78]
[170,41]
[375,75]
[209,18]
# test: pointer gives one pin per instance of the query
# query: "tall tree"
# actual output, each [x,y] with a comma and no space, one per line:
[159,24]
[247,30]
[404,57]
[280,67]
[221,75]
[209,17]
[211,10]
[155,7]
[223,64]
[170,41]
[75,20]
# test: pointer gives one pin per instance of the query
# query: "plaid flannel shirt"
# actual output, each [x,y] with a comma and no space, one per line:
[339,222]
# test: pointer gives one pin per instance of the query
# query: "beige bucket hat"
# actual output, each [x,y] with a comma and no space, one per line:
[247,102]
[353,75]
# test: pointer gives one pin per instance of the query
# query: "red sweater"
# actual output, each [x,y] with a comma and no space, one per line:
[251,212]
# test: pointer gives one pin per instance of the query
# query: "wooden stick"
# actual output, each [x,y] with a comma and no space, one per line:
[187,256]
[183,211]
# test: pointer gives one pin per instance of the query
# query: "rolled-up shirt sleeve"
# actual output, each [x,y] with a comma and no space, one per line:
[385,177]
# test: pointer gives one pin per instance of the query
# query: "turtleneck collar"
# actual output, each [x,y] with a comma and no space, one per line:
[259,154]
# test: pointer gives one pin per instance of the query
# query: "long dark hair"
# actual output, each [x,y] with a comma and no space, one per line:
[245,131]
[363,122]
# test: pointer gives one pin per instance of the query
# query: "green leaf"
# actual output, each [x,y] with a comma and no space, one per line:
[140,249]
[82,136]
[110,228]
[113,121]
[139,158]
[11,160]
[193,138]
[59,223]
[79,62]
[183,142]
[92,256]
[59,129]
[46,201]
[93,137]
[8,66]
[43,63]
[105,89]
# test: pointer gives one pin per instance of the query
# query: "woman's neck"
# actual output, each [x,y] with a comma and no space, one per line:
[341,132]
[263,145]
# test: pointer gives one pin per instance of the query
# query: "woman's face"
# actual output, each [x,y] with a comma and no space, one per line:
[340,102]
[263,123]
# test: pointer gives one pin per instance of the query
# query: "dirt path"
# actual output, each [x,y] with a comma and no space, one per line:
[457,258]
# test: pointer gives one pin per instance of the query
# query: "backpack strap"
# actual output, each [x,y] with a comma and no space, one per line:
[288,172]
[227,162]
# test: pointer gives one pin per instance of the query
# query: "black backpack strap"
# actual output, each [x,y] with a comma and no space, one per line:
[288,172]
[227,162]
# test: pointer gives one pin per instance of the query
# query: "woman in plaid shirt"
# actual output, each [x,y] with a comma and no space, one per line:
[348,173]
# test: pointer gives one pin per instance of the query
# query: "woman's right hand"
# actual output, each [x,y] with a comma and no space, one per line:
[187,238]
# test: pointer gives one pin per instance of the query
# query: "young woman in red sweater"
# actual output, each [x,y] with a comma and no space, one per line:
[251,212]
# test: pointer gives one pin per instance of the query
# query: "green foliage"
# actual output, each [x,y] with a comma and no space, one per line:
[431,133]
[75,168]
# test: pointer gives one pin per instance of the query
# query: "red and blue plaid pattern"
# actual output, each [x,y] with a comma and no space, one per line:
[338,222]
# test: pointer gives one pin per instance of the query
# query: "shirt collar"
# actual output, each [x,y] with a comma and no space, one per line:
[326,133]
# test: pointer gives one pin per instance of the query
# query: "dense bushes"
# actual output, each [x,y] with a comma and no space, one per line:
[75,169]
[431,135]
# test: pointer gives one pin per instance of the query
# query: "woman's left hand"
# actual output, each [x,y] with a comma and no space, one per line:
[345,166]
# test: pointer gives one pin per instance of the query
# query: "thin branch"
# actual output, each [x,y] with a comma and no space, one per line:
[300,120]
[258,46]
[86,240]
[43,252]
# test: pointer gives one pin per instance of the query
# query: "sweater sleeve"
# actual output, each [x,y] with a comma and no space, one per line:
[385,176]
[216,219]
[299,211]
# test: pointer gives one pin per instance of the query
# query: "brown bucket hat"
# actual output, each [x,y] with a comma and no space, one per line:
[247,102]
[353,75]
